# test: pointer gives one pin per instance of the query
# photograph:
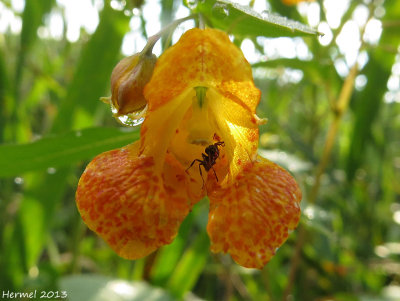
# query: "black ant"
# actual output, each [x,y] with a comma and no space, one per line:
[209,158]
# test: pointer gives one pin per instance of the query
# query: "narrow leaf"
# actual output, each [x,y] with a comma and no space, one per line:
[367,105]
[190,267]
[244,21]
[32,18]
[169,255]
[62,150]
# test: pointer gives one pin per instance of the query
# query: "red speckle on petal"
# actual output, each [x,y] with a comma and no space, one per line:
[122,197]
[216,137]
[258,209]
[253,136]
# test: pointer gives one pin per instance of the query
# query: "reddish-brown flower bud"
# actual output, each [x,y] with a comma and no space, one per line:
[128,80]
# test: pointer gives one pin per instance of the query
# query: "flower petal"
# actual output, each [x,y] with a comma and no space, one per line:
[238,126]
[252,218]
[133,208]
[204,58]
[160,126]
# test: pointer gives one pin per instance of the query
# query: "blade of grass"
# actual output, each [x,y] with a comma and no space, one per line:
[190,266]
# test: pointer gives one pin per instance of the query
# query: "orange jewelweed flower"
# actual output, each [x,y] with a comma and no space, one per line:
[201,93]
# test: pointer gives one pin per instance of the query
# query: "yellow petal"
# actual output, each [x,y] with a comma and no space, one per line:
[160,126]
[206,59]
[252,218]
[238,127]
[133,208]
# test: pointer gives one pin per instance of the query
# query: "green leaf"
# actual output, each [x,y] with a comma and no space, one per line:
[31,224]
[190,266]
[4,87]
[62,150]
[32,17]
[169,256]
[244,21]
[367,105]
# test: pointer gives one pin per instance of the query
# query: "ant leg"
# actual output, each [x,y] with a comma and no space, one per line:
[215,174]
[201,174]
[192,164]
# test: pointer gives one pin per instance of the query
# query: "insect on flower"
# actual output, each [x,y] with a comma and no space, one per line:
[207,94]
[209,158]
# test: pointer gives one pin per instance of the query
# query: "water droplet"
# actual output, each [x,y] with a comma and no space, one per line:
[265,14]
[126,120]
[114,110]
[220,10]
[51,170]
[131,119]
[19,181]
[192,4]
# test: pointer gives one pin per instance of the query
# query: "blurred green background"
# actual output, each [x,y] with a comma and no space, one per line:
[333,105]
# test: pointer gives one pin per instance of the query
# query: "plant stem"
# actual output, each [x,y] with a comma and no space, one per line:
[339,109]
[202,24]
[148,49]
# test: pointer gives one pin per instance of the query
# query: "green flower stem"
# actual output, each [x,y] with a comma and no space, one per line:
[148,49]
[202,24]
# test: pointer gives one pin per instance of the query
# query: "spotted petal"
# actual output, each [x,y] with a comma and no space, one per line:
[133,208]
[252,218]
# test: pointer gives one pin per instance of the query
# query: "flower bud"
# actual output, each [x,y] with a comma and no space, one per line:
[128,80]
